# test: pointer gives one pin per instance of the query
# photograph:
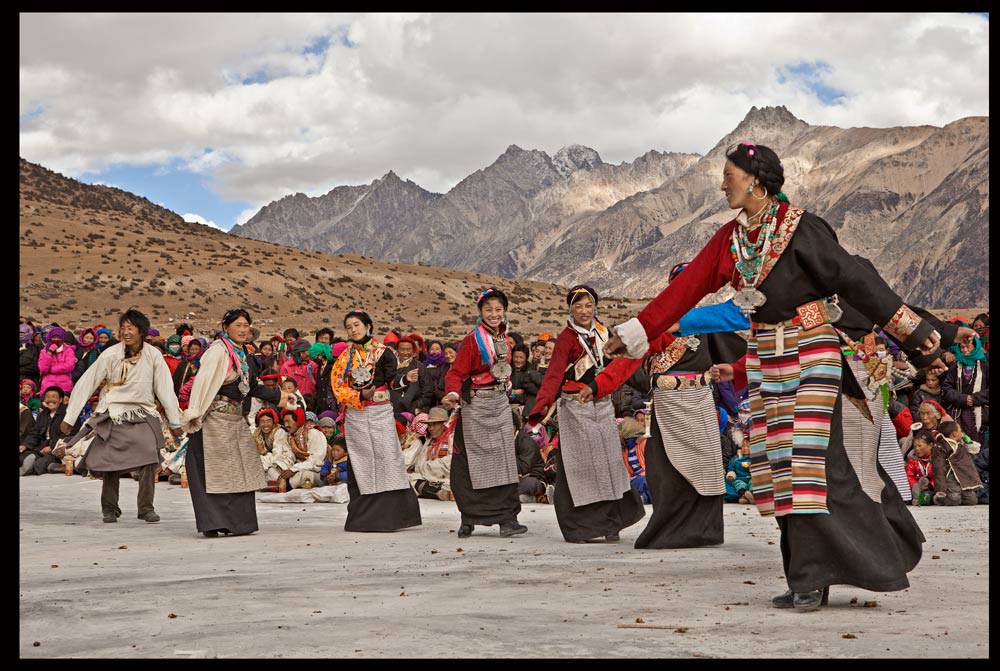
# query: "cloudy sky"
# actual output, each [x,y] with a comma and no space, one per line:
[215,115]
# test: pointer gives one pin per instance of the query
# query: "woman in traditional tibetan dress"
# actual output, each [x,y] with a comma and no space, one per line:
[684,469]
[223,466]
[484,458]
[786,264]
[593,496]
[381,496]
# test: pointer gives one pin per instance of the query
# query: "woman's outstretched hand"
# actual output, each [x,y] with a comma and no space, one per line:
[614,348]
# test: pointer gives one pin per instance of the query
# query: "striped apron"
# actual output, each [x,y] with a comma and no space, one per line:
[861,437]
[689,427]
[591,451]
[488,430]
[375,454]
[232,464]
[794,385]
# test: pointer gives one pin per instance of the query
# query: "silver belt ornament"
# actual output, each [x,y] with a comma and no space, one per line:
[489,392]
[671,382]
[748,299]
[834,310]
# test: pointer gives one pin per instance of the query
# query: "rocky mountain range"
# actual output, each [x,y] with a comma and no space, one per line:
[88,252]
[915,200]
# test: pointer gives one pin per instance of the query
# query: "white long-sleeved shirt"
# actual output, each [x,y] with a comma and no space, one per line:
[316,445]
[147,381]
[281,455]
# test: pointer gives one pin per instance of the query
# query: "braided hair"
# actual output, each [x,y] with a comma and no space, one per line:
[762,163]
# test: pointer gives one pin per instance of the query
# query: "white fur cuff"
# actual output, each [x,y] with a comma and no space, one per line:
[633,335]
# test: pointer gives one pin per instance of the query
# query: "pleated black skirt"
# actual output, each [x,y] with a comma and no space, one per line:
[385,511]
[682,518]
[485,507]
[862,543]
[594,520]
[236,513]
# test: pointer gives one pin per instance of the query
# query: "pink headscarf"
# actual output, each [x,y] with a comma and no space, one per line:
[419,424]
[337,349]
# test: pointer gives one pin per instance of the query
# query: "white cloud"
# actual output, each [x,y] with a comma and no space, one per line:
[198,219]
[436,96]
[244,216]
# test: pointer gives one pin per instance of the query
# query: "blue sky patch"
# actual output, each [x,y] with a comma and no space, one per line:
[318,45]
[32,114]
[176,188]
[810,77]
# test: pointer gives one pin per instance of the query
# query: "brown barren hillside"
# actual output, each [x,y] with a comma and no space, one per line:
[87,252]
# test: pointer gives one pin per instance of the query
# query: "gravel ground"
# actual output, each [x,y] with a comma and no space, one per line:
[302,587]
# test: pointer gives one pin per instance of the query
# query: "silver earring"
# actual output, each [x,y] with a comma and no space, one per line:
[750,188]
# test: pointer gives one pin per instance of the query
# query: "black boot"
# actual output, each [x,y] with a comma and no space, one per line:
[511,528]
[465,531]
[807,601]
[783,600]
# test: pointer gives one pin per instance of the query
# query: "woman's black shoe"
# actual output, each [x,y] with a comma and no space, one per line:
[210,534]
[783,600]
[465,531]
[807,601]
[511,529]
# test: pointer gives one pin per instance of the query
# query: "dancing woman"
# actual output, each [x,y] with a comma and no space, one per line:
[786,265]
[381,496]
[593,495]
[484,460]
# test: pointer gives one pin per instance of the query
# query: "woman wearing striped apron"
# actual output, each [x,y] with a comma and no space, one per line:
[786,264]
[684,469]
[484,458]
[381,496]
[593,495]
[223,466]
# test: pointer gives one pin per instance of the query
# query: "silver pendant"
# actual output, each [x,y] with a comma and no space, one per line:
[360,377]
[693,343]
[748,300]
[834,311]
[244,387]
[501,370]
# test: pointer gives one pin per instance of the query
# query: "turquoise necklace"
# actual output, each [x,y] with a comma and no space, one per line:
[750,257]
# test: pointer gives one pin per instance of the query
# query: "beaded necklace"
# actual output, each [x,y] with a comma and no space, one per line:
[750,255]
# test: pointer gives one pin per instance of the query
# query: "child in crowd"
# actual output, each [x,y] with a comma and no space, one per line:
[958,481]
[919,472]
[335,467]
[289,385]
[632,432]
[738,476]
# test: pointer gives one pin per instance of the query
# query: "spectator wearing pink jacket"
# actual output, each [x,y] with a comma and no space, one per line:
[299,366]
[57,361]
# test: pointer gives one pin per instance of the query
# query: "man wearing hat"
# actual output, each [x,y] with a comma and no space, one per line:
[428,460]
